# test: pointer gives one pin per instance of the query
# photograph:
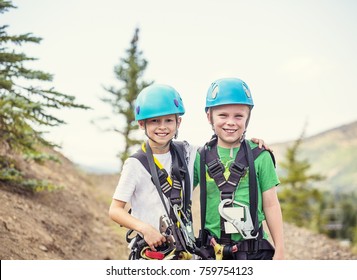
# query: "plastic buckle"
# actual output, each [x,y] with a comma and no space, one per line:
[162,174]
[238,169]
[253,246]
[176,201]
[229,196]
[215,167]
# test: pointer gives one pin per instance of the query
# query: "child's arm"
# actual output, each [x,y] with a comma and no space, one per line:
[273,215]
[118,214]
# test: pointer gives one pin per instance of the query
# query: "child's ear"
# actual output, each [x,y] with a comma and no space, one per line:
[141,124]
[209,116]
[179,119]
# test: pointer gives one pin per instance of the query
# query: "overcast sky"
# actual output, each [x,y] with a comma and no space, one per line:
[298,58]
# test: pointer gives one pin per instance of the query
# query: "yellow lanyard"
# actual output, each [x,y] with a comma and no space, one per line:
[159,165]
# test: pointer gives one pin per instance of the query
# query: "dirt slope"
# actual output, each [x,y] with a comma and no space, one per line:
[73,224]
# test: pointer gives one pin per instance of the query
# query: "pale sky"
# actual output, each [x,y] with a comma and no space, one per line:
[298,58]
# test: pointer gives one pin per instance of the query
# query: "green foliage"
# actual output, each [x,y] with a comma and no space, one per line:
[122,100]
[341,210]
[12,175]
[299,202]
[297,169]
[24,104]
[301,207]
[305,206]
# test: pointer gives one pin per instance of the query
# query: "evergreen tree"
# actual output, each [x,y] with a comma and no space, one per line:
[122,100]
[24,104]
[300,202]
[296,169]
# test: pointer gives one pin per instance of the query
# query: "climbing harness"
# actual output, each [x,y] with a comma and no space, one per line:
[236,217]
[176,224]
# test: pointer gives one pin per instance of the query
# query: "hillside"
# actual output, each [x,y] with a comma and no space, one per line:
[72,223]
[69,223]
[333,154]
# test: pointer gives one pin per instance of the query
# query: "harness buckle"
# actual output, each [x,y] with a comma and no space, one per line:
[238,169]
[253,245]
[215,167]
[162,174]
[227,196]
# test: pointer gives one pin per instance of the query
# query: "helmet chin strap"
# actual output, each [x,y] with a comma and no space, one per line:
[241,139]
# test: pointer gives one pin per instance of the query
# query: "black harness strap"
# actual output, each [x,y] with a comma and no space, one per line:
[155,175]
[253,189]
[173,193]
[179,175]
[244,159]
[179,149]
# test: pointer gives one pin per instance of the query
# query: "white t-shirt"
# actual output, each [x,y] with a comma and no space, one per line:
[135,186]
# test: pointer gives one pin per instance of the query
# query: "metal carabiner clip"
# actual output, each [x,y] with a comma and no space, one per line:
[186,229]
[241,222]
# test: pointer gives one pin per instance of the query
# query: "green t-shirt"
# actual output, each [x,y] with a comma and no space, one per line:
[266,179]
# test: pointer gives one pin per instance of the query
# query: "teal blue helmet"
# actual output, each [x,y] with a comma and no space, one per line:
[158,100]
[228,91]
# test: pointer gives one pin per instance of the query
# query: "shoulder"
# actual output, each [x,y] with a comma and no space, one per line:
[261,154]
[132,165]
[251,144]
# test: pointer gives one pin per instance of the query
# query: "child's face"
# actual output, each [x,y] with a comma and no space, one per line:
[160,130]
[229,123]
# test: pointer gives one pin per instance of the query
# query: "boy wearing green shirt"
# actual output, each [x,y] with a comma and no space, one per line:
[237,193]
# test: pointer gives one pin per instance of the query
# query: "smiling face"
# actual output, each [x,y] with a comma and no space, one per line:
[160,131]
[229,123]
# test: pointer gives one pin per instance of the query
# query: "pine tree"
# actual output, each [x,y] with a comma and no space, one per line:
[24,104]
[296,169]
[122,100]
[300,202]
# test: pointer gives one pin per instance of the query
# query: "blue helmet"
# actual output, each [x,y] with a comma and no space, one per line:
[228,91]
[158,100]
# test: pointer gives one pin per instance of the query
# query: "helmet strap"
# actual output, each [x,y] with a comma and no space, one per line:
[242,137]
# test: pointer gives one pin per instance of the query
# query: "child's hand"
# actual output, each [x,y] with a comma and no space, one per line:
[153,237]
[261,144]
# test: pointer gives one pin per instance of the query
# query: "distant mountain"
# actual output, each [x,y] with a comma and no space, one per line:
[332,153]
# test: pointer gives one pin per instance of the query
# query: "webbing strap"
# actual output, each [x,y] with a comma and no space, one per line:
[180,244]
[154,175]
[180,150]
[244,158]
[253,189]
[172,186]
[203,191]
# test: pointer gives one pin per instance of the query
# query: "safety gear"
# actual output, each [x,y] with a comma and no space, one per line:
[176,224]
[158,100]
[228,91]
[141,251]
[245,222]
